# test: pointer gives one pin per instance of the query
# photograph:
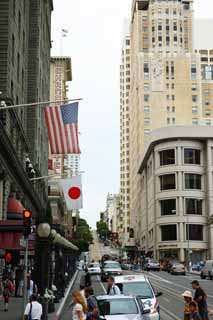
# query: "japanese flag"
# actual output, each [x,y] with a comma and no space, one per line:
[72,189]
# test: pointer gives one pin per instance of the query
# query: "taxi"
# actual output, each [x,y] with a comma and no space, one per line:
[140,286]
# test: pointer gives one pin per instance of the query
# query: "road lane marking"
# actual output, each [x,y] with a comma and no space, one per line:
[171,282]
[167,312]
[101,284]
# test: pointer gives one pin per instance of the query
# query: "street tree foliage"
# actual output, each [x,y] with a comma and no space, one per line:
[102,229]
[82,236]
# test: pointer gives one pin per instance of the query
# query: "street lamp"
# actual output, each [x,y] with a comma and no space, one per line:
[43,230]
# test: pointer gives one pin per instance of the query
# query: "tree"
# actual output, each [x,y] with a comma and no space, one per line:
[102,229]
[82,236]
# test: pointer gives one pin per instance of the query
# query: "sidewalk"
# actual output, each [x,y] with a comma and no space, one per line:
[15,311]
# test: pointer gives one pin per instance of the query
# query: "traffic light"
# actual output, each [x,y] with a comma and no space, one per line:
[27,217]
[8,257]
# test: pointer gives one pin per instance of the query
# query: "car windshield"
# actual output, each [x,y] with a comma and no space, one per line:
[153,261]
[117,306]
[113,265]
[142,289]
[94,265]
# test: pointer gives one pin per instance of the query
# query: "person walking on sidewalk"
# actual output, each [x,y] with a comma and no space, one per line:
[112,289]
[200,297]
[33,309]
[79,309]
[7,288]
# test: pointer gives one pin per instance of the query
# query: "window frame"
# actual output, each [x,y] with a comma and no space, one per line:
[187,226]
[194,149]
[167,174]
[166,225]
[169,164]
[170,214]
[196,199]
[195,174]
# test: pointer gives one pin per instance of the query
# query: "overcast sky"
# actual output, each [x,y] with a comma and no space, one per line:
[94,44]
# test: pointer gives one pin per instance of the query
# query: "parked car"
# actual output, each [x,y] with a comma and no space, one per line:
[120,307]
[196,267]
[110,268]
[94,268]
[152,265]
[178,268]
[140,286]
[170,265]
[207,270]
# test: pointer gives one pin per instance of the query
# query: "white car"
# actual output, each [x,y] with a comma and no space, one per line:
[80,265]
[94,268]
[120,307]
[140,286]
[110,268]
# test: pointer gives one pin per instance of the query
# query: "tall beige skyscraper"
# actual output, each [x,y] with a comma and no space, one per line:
[166,83]
[123,220]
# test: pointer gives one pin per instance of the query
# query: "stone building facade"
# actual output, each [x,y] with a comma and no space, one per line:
[176,177]
[25,28]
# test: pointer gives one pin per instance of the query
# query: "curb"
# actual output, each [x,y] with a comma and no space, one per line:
[61,306]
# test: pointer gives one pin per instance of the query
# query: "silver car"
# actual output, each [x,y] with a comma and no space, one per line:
[120,307]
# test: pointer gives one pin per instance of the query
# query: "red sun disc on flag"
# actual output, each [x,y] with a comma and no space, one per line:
[74,193]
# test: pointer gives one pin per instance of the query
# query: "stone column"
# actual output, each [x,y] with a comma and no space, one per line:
[211,241]
[209,196]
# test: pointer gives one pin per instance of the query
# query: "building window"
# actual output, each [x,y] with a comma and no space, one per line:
[173,109]
[13,49]
[173,120]
[193,206]
[167,157]
[208,122]
[168,109]
[18,66]
[168,121]
[146,70]
[146,87]
[194,109]
[146,120]
[169,232]
[168,207]
[192,181]
[146,131]
[194,98]
[146,109]
[194,232]
[194,87]
[193,71]
[167,182]
[208,112]
[194,121]
[191,156]
[146,98]
[173,97]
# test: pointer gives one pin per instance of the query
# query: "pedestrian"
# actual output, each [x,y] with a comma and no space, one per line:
[18,277]
[7,288]
[194,314]
[112,289]
[92,305]
[79,309]
[187,295]
[87,278]
[33,309]
[200,298]
[31,286]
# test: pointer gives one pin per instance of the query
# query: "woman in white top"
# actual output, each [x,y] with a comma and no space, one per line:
[80,308]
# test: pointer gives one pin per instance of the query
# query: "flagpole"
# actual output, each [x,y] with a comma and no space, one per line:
[55,175]
[5,107]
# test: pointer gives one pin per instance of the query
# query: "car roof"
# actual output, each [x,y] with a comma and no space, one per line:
[115,296]
[130,278]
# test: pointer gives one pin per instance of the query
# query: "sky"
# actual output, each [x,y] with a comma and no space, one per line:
[94,44]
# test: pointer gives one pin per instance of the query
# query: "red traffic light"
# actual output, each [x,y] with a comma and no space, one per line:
[27,214]
[8,258]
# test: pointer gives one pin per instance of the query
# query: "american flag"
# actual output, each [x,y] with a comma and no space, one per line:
[62,126]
